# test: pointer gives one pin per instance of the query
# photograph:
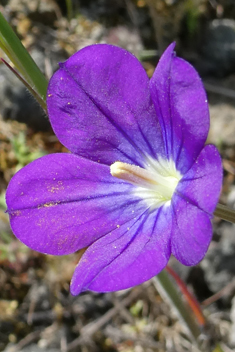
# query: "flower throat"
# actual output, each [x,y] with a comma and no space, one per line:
[155,183]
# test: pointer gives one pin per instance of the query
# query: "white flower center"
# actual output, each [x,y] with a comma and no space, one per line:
[155,183]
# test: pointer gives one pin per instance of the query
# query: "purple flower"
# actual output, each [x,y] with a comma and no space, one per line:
[139,185]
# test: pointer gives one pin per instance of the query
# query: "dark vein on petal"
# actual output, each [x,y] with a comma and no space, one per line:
[62,202]
[121,151]
[153,228]
[170,108]
[163,124]
[189,200]
[179,151]
[152,232]
[148,144]
[194,178]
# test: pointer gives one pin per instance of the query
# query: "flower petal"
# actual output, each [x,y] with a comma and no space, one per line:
[127,256]
[202,184]
[182,109]
[191,232]
[61,203]
[194,201]
[100,107]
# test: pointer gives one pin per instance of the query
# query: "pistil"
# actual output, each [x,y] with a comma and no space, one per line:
[132,173]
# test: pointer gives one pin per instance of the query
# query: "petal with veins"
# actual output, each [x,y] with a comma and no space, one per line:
[61,203]
[191,232]
[101,95]
[127,256]
[202,183]
[181,106]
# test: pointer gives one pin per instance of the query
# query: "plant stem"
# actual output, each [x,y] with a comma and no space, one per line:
[189,297]
[168,290]
[69,7]
[225,213]
[32,91]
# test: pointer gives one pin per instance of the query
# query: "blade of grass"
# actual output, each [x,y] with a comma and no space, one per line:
[16,52]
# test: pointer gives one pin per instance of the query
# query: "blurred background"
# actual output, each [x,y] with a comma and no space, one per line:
[37,312]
